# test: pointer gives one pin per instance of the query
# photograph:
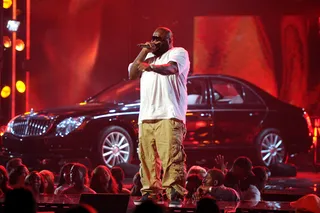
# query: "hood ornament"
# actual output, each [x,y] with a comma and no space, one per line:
[32,113]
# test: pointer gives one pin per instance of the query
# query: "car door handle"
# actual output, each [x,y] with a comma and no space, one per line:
[205,114]
[254,113]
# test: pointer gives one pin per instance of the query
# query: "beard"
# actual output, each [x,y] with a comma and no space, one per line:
[164,47]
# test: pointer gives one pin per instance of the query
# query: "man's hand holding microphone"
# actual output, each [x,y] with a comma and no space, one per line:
[148,47]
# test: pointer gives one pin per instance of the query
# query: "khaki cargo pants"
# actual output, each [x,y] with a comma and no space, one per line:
[160,143]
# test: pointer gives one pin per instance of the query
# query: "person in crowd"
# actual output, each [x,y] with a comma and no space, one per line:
[262,175]
[118,175]
[193,182]
[249,192]
[213,185]
[48,182]
[309,203]
[197,170]
[20,200]
[12,164]
[4,182]
[136,188]
[242,179]
[79,181]
[102,180]
[207,205]
[33,183]
[64,179]
[17,176]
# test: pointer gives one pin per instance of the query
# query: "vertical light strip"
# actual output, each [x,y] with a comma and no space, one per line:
[13,67]
[28,18]
[27,90]
[28,21]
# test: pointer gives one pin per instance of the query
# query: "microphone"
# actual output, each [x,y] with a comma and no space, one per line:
[144,46]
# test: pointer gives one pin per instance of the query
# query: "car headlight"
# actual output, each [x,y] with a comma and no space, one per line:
[68,125]
[10,125]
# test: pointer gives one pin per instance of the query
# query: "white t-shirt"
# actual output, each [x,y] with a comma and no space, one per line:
[165,96]
[252,193]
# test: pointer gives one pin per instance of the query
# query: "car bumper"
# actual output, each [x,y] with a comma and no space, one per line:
[73,145]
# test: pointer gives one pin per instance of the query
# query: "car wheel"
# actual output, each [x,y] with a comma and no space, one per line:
[271,147]
[115,146]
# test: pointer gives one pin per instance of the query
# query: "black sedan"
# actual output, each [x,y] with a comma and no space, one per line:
[224,112]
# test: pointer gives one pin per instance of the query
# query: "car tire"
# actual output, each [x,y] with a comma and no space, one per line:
[271,148]
[115,147]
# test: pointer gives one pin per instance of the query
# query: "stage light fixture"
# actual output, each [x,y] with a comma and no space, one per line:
[19,45]
[21,87]
[7,4]
[6,42]
[5,92]
[13,25]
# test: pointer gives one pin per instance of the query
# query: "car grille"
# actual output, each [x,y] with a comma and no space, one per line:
[31,126]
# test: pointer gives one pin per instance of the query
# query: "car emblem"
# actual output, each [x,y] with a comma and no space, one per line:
[32,113]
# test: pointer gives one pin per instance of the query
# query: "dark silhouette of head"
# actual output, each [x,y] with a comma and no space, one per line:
[64,177]
[18,175]
[20,200]
[242,168]
[192,184]
[33,181]
[102,180]
[79,174]
[163,38]
[118,175]
[137,185]
[13,163]
[207,205]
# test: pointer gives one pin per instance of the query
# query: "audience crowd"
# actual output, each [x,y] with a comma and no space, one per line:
[242,182]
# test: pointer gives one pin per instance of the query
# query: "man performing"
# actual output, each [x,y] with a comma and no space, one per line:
[163,71]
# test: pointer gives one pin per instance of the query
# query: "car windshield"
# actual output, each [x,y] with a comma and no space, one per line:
[123,92]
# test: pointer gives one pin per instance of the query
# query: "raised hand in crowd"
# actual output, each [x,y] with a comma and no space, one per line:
[221,164]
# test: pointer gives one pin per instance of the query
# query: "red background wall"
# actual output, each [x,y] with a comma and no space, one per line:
[80,47]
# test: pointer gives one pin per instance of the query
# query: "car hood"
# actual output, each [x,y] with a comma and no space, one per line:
[88,109]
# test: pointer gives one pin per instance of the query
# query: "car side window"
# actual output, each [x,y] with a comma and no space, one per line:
[196,92]
[225,92]
[250,97]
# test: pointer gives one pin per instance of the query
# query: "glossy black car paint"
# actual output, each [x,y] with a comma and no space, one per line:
[211,125]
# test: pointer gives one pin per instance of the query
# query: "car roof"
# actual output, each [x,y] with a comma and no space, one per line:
[261,92]
[228,77]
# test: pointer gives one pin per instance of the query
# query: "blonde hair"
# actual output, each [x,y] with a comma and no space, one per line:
[197,170]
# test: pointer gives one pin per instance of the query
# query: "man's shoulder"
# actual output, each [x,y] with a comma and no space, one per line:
[232,192]
[254,189]
[179,49]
